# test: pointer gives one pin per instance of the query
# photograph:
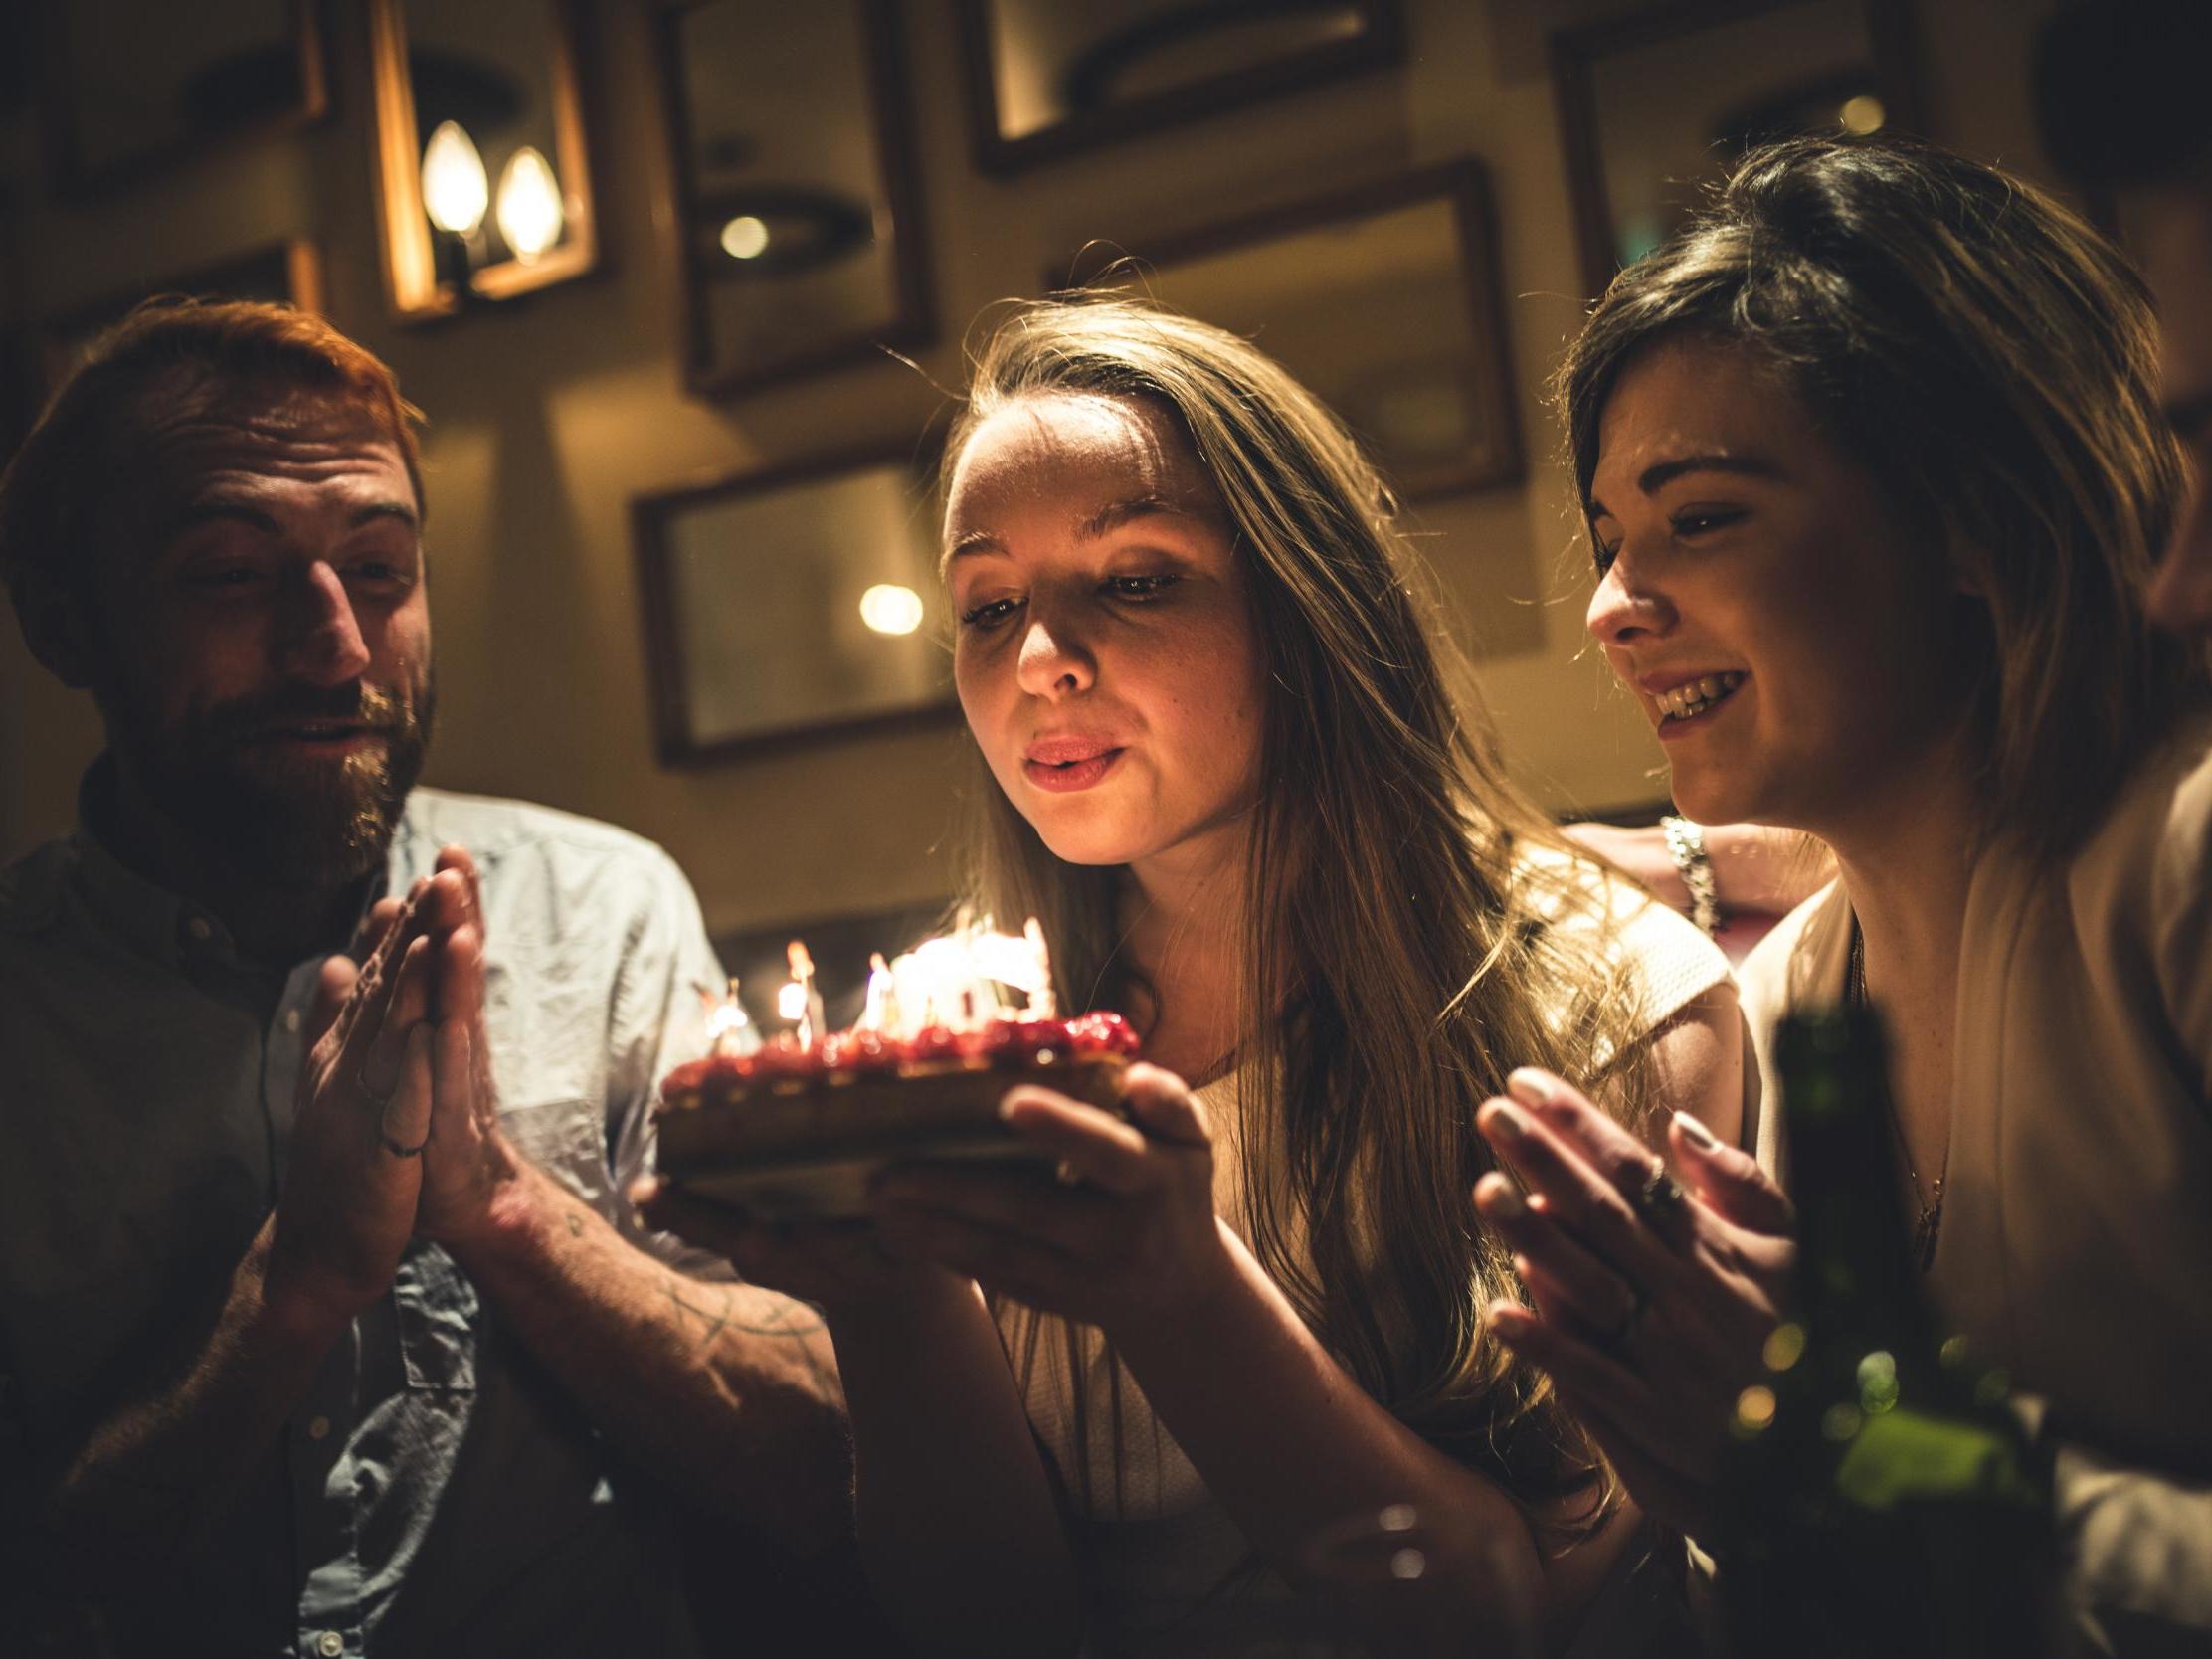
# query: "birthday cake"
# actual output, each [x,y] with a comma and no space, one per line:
[797,1124]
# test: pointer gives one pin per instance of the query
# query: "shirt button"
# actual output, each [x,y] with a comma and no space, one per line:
[198,928]
[330,1644]
[319,1428]
[292,1019]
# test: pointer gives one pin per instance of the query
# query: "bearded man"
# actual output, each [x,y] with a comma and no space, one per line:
[325,1325]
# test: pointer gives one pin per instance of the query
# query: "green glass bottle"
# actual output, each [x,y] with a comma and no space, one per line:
[1882,1499]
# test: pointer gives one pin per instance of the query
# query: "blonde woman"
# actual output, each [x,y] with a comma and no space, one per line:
[1224,769]
[1876,477]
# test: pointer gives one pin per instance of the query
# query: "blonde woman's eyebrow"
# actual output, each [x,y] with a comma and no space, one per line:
[1115,514]
[1105,521]
[975,541]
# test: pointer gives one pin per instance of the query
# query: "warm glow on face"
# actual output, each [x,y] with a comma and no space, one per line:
[890,609]
[744,237]
[1862,116]
[455,189]
[529,214]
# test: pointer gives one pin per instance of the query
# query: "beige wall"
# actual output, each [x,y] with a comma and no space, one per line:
[548,416]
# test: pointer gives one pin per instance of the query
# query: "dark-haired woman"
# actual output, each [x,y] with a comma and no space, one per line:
[1876,477]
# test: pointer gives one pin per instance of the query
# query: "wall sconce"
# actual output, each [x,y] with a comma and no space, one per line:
[439,252]
[457,193]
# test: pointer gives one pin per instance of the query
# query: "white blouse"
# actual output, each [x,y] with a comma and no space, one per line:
[1163,1556]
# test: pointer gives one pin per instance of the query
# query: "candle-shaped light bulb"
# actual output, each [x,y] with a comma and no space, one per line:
[529,212]
[455,189]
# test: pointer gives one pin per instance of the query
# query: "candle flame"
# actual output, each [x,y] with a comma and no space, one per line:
[729,1029]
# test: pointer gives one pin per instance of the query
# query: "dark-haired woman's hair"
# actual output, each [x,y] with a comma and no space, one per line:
[1400,948]
[1991,361]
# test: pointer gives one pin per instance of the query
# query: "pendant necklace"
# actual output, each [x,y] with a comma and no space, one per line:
[1931,1203]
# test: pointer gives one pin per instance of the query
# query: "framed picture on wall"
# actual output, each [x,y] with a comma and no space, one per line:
[287,271]
[800,238]
[1657,106]
[793,603]
[1045,79]
[1382,298]
[130,89]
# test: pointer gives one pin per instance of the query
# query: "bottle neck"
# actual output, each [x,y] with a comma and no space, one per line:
[1856,1271]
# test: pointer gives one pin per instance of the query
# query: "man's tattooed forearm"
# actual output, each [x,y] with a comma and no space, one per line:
[795,1322]
[716,1318]
[802,1326]
[783,1318]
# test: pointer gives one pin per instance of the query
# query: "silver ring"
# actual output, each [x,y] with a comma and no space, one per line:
[1659,1200]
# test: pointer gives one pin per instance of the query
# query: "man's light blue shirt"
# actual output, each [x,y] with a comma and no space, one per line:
[437,1492]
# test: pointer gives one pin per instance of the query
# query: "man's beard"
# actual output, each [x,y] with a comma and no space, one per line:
[309,825]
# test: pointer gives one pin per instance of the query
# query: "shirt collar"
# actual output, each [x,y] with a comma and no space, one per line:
[163,926]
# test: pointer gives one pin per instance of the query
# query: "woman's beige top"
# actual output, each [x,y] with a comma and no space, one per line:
[2076,1247]
[1167,1568]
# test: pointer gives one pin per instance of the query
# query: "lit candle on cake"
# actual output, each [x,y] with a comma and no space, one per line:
[794,1126]
[1043,1005]
[799,1002]
[729,1029]
[880,1012]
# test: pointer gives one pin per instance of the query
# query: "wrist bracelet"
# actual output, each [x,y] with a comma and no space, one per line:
[1686,846]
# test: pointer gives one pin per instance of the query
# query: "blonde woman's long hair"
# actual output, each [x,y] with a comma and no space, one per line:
[1400,950]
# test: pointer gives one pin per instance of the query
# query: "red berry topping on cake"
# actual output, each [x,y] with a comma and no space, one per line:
[859,1051]
[933,1042]
[783,1057]
[1101,1033]
[1026,1042]
[685,1078]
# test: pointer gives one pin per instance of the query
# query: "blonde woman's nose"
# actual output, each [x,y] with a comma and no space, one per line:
[1055,662]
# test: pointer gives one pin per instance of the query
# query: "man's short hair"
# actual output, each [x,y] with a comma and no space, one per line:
[170,350]
[2120,91]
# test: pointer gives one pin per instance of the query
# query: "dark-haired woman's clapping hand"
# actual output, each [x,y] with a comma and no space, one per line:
[1122,1229]
[1649,1303]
